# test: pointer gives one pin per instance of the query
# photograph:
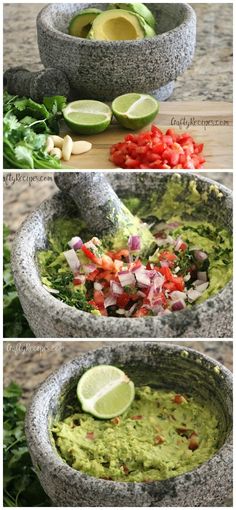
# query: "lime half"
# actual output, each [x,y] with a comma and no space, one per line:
[105,391]
[134,111]
[87,117]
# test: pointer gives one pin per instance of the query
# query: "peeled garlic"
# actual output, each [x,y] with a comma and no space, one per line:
[81,146]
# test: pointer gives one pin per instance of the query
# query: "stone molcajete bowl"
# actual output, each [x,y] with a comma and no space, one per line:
[49,317]
[103,69]
[159,364]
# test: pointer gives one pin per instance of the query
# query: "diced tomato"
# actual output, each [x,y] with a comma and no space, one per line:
[119,254]
[123,300]
[157,150]
[141,312]
[92,276]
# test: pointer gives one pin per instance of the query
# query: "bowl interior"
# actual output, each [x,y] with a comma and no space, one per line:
[168,16]
[182,370]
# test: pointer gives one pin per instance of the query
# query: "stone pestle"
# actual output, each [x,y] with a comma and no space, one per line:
[102,210]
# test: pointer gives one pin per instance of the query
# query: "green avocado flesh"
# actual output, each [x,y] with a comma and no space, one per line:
[151,441]
[200,234]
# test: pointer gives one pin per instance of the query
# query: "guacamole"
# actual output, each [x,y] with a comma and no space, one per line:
[163,434]
[189,261]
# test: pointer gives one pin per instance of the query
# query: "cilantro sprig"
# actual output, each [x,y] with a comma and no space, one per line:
[21,487]
[26,126]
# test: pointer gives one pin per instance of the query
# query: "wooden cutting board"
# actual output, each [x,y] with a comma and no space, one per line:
[210,123]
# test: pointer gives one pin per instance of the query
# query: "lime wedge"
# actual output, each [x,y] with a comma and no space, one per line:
[105,391]
[134,111]
[87,117]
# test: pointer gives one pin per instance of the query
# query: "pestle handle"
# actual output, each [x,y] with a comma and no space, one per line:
[101,208]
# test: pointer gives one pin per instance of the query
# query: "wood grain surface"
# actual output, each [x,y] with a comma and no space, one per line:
[209,122]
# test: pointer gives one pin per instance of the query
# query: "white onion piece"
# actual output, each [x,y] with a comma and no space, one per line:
[75,243]
[120,311]
[126,278]
[202,275]
[51,291]
[193,295]
[177,294]
[72,260]
[109,301]
[178,305]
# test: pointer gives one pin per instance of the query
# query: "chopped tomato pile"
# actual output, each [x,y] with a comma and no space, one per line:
[157,150]
[124,284]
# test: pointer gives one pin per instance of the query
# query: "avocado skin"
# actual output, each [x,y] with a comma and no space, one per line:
[139,9]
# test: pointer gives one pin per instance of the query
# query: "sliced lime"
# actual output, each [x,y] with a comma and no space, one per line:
[134,111]
[105,391]
[81,23]
[87,117]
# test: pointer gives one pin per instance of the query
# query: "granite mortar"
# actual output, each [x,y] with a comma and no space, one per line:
[49,317]
[106,69]
[151,363]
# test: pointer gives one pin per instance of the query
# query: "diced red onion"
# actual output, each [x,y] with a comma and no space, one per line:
[164,263]
[79,279]
[89,268]
[141,277]
[75,243]
[110,300]
[51,291]
[72,260]
[178,244]
[141,294]
[193,295]
[158,281]
[126,278]
[187,277]
[134,243]
[131,310]
[202,286]
[177,294]
[178,305]
[200,256]
[202,276]
[116,288]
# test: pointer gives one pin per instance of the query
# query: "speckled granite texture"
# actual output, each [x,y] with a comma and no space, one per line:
[146,363]
[209,78]
[104,70]
[48,317]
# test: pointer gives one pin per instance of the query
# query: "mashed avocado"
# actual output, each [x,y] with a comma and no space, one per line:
[180,205]
[163,434]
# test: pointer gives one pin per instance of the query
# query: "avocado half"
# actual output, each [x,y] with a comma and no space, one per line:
[139,9]
[119,24]
[81,23]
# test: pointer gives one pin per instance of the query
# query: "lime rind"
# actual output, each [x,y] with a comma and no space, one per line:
[87,116]
[135,111]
